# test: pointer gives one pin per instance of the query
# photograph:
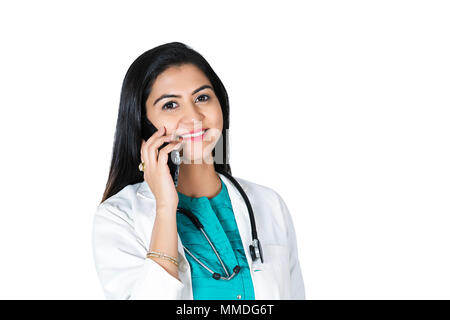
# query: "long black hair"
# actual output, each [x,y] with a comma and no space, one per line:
[136,88]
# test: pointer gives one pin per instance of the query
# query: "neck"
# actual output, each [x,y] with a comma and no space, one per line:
[198,180]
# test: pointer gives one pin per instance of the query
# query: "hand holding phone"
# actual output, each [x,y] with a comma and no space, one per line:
[159,177]
[148,130]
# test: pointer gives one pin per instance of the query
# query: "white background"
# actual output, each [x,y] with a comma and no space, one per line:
[342,107]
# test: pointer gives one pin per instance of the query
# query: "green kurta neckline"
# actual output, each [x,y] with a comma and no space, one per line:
[189,202]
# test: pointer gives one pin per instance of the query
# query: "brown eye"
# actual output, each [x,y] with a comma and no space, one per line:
[204,95]
[168,105]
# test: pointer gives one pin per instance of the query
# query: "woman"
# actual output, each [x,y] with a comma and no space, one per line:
[140,233]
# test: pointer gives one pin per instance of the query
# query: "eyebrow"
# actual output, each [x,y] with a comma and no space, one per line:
[176,96]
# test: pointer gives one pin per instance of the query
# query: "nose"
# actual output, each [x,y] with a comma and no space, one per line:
[192,114]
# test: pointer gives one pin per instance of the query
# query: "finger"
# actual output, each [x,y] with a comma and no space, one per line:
[154,147]
[142,147]
[164,152]
[144,156]
[158,133]
[152,151]
[144,144]
[150,156]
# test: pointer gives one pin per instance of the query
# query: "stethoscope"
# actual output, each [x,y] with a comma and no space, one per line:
[255,247]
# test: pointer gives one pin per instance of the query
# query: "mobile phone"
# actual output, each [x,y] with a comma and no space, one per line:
[148,129]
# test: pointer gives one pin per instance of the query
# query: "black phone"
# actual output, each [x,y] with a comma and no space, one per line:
[148,129]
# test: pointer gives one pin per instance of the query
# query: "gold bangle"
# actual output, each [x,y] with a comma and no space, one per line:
[163,256]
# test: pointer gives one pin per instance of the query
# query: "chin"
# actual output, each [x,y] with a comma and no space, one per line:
[196,155]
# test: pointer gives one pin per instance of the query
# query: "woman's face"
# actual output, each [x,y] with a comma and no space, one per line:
[192,106]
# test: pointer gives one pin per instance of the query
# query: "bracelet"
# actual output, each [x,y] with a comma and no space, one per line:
[163,256]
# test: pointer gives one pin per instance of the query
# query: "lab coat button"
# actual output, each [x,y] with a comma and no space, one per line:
[239,296]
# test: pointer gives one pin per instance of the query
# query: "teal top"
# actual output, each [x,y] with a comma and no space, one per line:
[217,217]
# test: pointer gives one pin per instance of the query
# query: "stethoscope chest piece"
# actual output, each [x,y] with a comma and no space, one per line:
[256,251]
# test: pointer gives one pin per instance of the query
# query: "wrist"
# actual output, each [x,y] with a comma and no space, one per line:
[166,210]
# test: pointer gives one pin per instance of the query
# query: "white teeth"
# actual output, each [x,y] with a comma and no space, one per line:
[194,135]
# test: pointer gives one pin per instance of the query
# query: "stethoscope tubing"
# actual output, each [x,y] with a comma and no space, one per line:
[215,251]
[255,247]
[199,226]
[255,241]
[228,277]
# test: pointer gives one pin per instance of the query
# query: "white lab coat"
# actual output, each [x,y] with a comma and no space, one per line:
[121,236]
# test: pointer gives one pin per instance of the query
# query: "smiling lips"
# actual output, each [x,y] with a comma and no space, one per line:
[197,136]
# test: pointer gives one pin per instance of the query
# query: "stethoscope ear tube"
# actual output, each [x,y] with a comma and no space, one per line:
[217,276]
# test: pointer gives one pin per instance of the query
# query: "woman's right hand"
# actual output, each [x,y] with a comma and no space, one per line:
[156,171]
